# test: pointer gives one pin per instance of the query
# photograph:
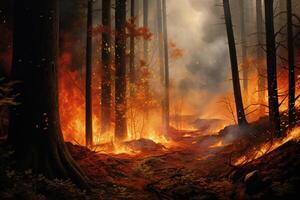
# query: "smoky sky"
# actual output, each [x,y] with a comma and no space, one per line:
[197,26]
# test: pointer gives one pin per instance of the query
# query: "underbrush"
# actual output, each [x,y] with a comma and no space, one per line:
[15,185]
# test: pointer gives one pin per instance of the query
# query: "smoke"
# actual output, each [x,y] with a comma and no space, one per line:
[198,28]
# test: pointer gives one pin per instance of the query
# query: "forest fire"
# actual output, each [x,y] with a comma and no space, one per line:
[268,147]
[72,113]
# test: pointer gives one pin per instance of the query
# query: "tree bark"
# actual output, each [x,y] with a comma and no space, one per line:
[160,40]
[244,46]
[88,84]
[234,66]
[35,130]
[161,54]
[166,112]
[146,25]
[106,82]
[260,56]
[271,67]
[132,48]
[120,79]
[291,60]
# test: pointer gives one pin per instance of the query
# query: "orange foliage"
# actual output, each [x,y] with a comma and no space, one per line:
[175,52]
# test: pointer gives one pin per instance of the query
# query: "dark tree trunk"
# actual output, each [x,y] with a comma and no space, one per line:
[234,66]
[132,48]
[146,25]
[259,56]
[88,85]
[120,79]
[106,84]
[35,130]
[166,113]
[271,67]
[146,58]
[160,40]
[291,58]
[244,46]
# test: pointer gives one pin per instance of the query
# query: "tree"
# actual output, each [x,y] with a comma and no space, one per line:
[244,45]
[166,112]
[160,40]
[146,25]
[120,77]
[106,82]
[132,46]
[291,60]
[34,124]
[259,56]
[271,67]
[161,55]
[88,91]
[234,66]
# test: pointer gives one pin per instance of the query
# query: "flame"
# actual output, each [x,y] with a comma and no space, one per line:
[217,145]
[268,147]
[72,112]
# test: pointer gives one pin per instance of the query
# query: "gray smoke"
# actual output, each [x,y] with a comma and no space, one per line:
[197,26]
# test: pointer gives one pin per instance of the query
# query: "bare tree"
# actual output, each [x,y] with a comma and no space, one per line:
[234,66]
[120,77]
[132,46]
[88,90]
[106,82]
[166,112]
[243,10]
[271,67]
[291,60]
[260,56]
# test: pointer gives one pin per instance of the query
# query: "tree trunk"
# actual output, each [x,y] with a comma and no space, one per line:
[146,25]
[88,84]
[244,46]
[35,130]
[132,48]
[259,57]
[161,54]
[271,67]
[234,66]
[106,82]
[160,40]
[120,79]
[291,58]
[166,112]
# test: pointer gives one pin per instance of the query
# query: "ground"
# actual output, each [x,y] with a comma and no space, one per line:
[195,166]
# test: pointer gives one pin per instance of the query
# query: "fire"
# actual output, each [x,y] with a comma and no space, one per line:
[72,112]
[268,147]
[217,145]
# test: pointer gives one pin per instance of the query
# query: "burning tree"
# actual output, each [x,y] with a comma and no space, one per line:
[34,125]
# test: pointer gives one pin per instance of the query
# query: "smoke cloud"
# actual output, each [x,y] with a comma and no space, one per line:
[198,28]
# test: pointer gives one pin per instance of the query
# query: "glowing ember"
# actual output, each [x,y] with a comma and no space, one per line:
[268,147]
[217,145]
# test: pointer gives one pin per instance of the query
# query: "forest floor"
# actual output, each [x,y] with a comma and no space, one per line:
[196,166]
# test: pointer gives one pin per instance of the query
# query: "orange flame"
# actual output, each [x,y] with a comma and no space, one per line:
[268,147]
